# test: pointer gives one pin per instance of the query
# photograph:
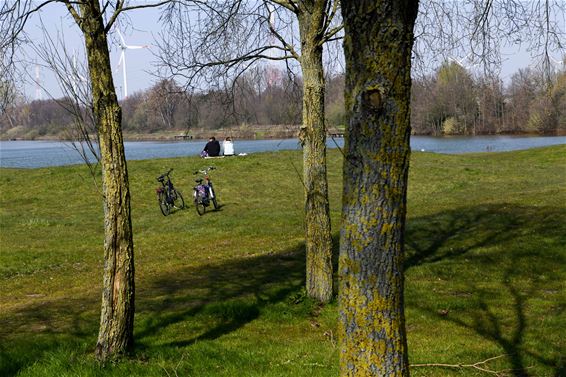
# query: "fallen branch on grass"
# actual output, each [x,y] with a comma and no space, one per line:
[480,365]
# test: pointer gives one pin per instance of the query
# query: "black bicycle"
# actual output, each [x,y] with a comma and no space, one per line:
[203,192]
[167,195]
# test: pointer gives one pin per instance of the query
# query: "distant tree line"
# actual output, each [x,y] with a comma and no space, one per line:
[250,99]
[451,101]
[454,102]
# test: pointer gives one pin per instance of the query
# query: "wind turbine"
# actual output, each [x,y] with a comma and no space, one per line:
[76,75]
[557,64]
[38,95]
[272,73]
[122,61]
[461,62]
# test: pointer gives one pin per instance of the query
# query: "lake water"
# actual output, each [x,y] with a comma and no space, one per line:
[35,154]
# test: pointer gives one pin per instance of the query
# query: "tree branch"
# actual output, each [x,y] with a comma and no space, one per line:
[330,14]
[120,9]
[287,47]
[287,4]
[329,36]
[480,365]
[14,18]
[73,13]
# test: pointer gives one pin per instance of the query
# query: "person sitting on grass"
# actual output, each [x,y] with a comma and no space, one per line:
[228,147]
[212,148]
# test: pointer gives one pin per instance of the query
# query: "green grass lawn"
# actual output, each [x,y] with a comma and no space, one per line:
[221,294]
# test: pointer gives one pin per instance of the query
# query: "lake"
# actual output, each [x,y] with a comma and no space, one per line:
[36,154]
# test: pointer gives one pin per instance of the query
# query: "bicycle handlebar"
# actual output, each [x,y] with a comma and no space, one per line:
[165,174]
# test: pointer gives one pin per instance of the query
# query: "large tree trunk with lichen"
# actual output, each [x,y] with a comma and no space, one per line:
[117,312]
[318,238]
[377,45]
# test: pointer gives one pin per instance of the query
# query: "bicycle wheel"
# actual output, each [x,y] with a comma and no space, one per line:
[163,205]
[214,201]
[201,208]
[178,201]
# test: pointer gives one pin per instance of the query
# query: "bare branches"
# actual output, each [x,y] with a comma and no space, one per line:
[287,4]
[73,79]
[331,19]
[8,90]
[120,8]
[287,47]
[14,15]
[480,365]
[206,40]
[331,35]
[73,12]
[117,10]
[479,30]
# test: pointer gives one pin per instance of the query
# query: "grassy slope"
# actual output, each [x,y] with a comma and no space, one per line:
[220,295]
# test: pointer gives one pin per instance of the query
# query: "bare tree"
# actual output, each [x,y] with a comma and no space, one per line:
[163,99]
[9,42]
[491,105]
[8,93]
[95,19]
[378,44]
[209,41]
[7,84]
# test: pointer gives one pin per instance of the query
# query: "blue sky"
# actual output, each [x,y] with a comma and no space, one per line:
[138,27]
[141,27]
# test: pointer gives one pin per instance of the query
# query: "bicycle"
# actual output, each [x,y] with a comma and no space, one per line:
[204,193]
[167,195]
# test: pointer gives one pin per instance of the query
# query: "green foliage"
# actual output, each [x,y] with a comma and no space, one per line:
[450,126]
[452,72]
[222,294]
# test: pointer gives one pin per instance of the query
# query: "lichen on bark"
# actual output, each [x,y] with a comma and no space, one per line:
[378,43]
[115,336]
[318,238]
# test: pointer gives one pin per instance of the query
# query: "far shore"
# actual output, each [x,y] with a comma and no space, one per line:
[240,133]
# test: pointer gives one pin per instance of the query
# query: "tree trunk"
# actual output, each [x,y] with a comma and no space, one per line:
[117,313]
[377,45]
[318,238]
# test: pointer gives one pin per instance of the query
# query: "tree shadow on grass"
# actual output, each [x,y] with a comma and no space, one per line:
[454,233]
[217,299]
[26,334]
[227,295]
[520,250]
[234,292]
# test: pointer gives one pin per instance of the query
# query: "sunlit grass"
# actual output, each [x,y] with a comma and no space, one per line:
[221,294]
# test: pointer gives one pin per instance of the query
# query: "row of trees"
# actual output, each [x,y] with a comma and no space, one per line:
[167,106]
[452,101]
[251,100]
[378,43]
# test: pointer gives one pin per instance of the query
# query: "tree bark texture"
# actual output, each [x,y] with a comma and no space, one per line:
[117,312]
[377,45]
[318,237]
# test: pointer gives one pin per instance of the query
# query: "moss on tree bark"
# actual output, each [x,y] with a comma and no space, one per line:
[318,238]
[378,43]
[117,310]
